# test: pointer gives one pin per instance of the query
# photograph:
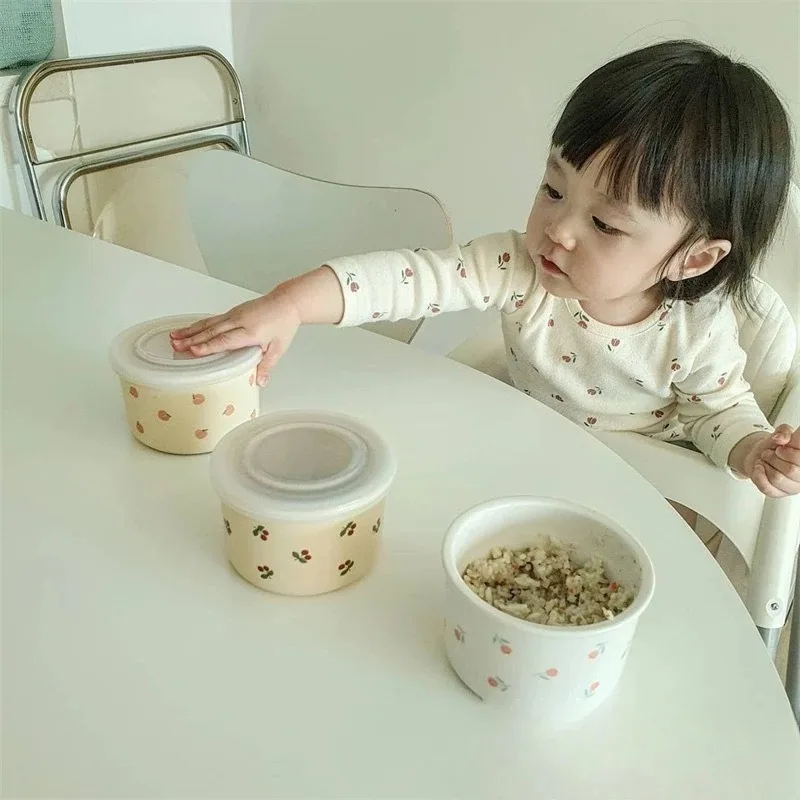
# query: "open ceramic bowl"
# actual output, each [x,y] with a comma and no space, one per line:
[556,675]
[302,498]
[178,404]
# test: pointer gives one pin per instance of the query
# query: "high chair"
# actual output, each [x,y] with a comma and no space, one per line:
[113,163]
[766,532]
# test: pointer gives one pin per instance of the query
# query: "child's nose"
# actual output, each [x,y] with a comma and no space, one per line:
[560,232]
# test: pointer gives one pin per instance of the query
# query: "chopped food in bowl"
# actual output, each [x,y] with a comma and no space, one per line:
[547,584]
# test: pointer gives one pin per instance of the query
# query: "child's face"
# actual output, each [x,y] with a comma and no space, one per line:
[588,247]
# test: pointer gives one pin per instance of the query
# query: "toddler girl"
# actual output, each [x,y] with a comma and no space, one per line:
[667,176]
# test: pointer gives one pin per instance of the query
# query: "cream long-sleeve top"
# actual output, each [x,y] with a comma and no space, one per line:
[676,375]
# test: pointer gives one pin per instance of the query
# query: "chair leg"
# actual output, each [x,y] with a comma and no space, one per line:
[793,665]
[771,637]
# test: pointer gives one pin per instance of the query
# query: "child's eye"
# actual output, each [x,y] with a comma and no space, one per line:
[551,192]
[603,228]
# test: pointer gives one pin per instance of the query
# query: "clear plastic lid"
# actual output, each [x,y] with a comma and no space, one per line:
[302,466]
[144,354]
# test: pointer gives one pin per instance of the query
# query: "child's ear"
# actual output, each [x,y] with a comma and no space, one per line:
[699,258]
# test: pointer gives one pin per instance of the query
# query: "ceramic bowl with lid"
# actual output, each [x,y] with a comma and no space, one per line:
[176,403]
[302,498]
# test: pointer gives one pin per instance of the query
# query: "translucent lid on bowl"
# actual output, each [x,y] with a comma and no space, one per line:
[144,354]
[302,466]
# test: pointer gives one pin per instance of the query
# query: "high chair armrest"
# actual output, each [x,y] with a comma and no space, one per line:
[769,589]
[779,534]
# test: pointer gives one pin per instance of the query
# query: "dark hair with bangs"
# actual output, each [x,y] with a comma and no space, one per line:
[686,129]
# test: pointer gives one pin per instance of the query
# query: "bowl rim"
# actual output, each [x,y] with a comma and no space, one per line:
[634,610]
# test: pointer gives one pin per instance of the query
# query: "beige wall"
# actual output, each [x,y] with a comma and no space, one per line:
[459,98]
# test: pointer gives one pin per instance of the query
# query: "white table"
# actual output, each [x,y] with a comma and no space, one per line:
[136,662]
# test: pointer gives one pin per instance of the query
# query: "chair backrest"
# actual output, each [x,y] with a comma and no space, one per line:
[771,336]
[135,120]
[257,225]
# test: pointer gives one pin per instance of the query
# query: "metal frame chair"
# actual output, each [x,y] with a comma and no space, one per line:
[58,172]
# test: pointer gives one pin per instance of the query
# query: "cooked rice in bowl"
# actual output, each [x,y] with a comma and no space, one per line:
[544,584]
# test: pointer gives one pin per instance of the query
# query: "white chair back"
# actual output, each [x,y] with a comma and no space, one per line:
[771,336]
[257,225]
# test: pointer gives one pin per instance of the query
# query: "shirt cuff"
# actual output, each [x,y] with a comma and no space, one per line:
[726,438]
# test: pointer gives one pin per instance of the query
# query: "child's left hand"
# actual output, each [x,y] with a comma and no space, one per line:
[773,463]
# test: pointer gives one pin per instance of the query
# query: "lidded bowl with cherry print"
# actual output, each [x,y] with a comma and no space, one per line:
[303,496]
[174,402]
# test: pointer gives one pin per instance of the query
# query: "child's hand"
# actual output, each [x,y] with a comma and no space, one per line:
[270,322]
[773,462]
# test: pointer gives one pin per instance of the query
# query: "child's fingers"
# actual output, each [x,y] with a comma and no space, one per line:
[786,468]
[789,453]
[795,440]
[197,327]
[783,434]
[225,340]
[262,373]
[272,354]
[763,475]
[211,332]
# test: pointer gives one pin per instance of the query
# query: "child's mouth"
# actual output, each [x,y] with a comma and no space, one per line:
[550,268]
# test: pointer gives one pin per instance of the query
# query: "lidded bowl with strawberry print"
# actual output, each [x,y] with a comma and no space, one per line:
[303,496]
[176,403]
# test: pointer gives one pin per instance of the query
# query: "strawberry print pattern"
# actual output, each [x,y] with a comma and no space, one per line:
[503,644]
[497,683]
[458,632]
[548,674]
[352,284]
